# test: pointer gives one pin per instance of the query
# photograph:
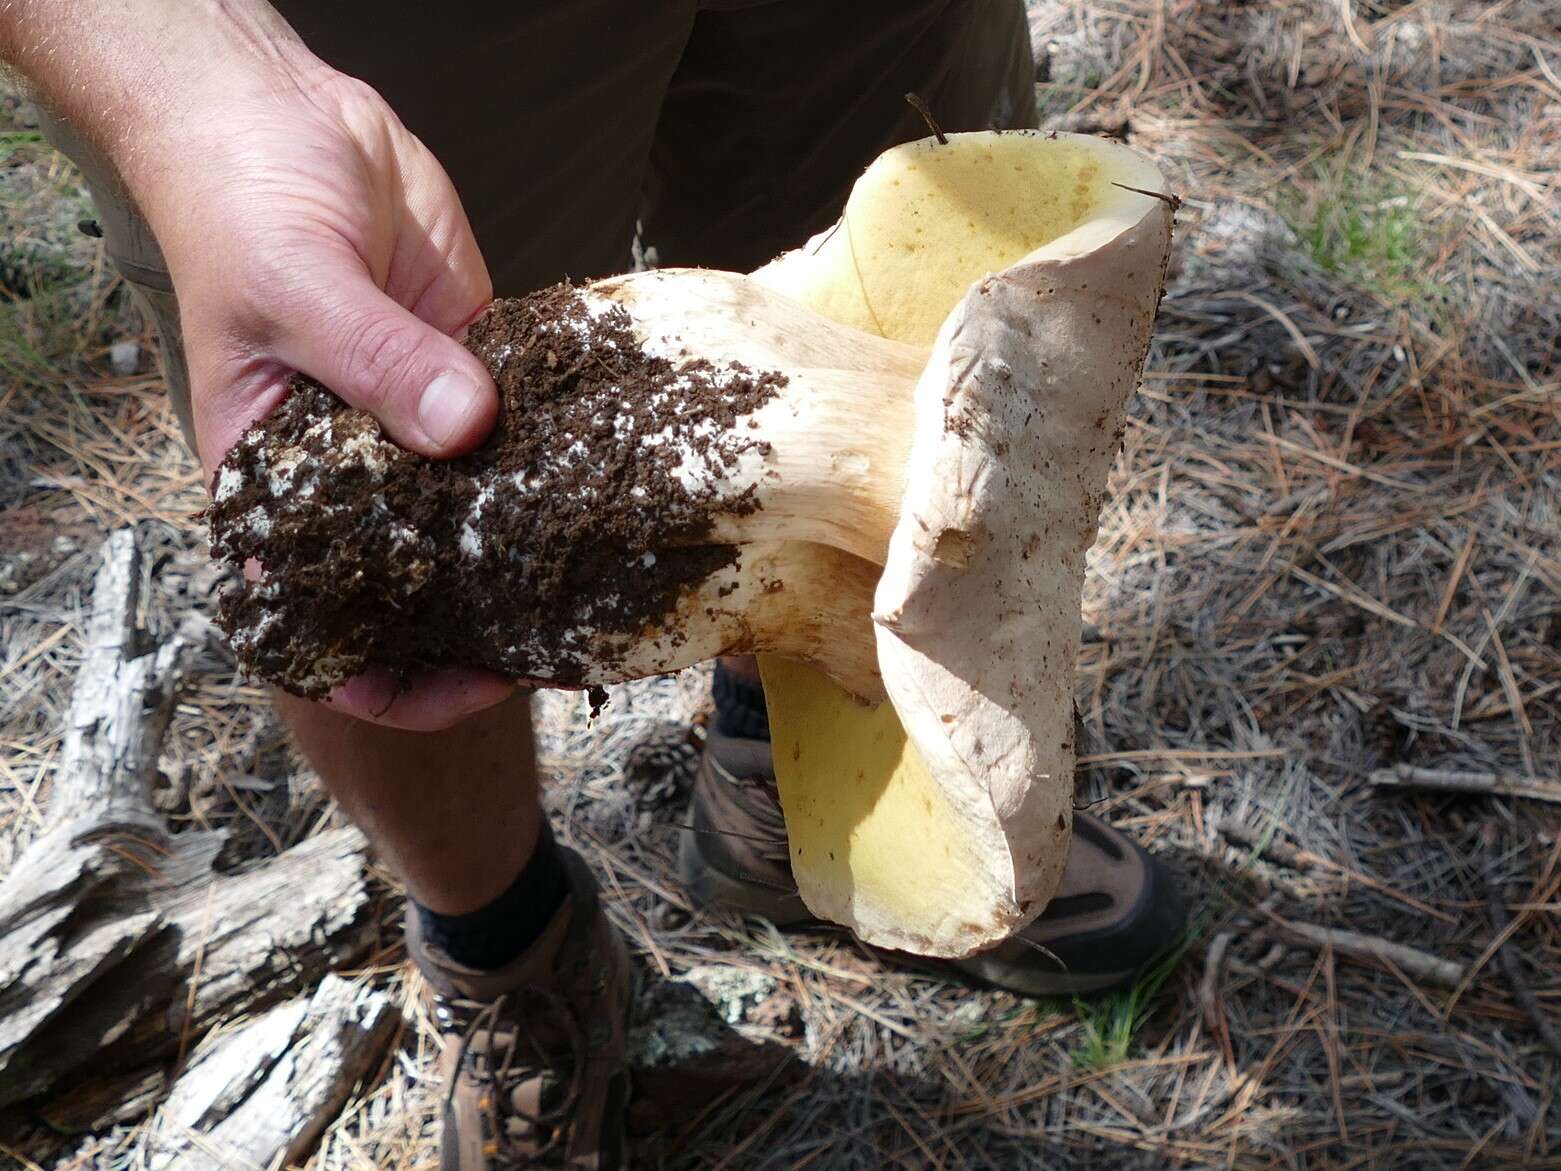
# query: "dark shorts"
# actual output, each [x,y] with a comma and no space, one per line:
[724,131]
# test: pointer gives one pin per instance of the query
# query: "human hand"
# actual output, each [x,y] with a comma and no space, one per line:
[307,230]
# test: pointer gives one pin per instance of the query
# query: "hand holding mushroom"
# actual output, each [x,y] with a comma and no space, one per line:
[878,461]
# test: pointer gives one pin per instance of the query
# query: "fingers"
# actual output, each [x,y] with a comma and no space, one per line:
[430,394]
[428,702]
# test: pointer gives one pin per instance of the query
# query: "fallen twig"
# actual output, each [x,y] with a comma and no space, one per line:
[1424,966]
[1268,846]
[1404,776]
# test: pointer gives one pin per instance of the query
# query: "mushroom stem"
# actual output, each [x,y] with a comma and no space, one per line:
[797,599]
[830,467]
[715,469]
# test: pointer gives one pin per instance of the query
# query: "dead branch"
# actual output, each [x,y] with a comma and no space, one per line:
[1209,988]
[1423,966]
[1267,845]
[1404,776]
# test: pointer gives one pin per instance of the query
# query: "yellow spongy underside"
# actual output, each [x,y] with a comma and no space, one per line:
[865,820]
[926,220]
[869,827]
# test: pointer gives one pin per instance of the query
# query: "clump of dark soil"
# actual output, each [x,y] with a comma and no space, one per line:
[584,512]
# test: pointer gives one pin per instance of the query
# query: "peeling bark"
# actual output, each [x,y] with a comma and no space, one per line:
[260,1096]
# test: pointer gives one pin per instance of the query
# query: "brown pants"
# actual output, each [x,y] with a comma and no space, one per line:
[726,131]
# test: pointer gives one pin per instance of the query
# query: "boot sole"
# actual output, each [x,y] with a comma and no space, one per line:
[976,974]
[709,887]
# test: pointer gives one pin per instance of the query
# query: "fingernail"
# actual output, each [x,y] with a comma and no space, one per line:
[447,403]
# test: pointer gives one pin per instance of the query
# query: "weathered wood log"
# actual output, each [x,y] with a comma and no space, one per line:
[211,949]
[119,942]
[55,940]
[260,1096]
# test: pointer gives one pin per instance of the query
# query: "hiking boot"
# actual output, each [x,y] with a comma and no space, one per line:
[1115,911]
[534,1062]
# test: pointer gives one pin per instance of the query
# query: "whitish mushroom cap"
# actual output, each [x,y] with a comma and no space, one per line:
[1018,416]
[938,823]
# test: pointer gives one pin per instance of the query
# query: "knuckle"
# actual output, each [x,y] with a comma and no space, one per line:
[354,97]
[376,354]
[359,109]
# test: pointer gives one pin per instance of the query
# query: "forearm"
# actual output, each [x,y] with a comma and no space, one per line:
[305,229]
[125,71]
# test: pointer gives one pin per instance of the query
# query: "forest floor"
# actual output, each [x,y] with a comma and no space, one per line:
[1330,556]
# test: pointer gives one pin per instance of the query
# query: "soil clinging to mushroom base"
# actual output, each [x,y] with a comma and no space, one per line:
[583,513]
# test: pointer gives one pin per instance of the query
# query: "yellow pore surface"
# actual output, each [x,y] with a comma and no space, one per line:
[866,822]
[870,828]
[927,219]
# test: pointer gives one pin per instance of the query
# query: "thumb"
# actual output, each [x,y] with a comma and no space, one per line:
[426,389]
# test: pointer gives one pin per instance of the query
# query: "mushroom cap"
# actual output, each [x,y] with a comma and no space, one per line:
[977,611]
[1018,415]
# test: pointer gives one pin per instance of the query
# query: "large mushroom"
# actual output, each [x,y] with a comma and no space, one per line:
[1033,265]
[878,461]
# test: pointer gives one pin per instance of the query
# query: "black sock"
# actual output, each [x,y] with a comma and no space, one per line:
[492,936]
[739,706]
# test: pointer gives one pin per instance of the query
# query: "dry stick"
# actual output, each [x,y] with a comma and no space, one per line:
[1509,687]
[1328,1034]
[1098,759]
[1404,776]
[1172,200]
[1507,952]
[1427,968]
[1453,578]
[1264,842]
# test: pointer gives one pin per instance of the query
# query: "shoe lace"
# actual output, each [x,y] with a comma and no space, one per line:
[508,1069]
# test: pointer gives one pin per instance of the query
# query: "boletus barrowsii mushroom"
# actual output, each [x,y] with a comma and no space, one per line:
[877,461]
